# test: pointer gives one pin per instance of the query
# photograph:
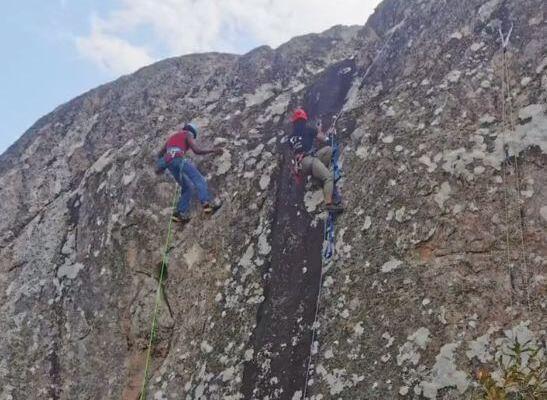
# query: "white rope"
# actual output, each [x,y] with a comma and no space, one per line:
[314,330]
[314,326]
[316,314]
[505,190]
[509,123]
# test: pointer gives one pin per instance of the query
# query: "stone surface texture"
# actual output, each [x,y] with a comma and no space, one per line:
[440,257]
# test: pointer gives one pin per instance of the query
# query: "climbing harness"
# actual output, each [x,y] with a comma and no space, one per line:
[509,128]
[173,152]
[154,326]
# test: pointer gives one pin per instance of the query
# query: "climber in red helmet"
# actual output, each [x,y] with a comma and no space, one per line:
[172,157]
[309,159]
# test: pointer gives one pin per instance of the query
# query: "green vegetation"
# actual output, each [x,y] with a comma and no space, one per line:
[521,375]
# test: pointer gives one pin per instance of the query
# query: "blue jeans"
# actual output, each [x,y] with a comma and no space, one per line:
[188,177]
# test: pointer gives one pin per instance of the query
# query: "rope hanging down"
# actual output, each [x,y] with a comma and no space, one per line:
[329,245]
[154,326]
[508,124]
[504,168]
[330,233]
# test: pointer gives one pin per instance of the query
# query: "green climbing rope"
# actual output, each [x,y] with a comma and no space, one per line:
[154,326]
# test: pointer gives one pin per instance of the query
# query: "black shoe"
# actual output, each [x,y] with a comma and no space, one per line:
[211,208]
[335,208]
[180,218]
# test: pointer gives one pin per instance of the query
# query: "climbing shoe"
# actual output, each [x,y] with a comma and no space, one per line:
[335,208]
[211,208]
[180,218]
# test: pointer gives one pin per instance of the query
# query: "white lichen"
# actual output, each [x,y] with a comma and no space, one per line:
[391,265]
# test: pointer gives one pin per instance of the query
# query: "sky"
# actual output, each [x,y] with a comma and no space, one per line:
[54,50]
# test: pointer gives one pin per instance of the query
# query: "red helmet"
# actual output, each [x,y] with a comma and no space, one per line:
[299,114]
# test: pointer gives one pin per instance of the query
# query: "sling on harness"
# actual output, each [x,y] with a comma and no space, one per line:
[296,160]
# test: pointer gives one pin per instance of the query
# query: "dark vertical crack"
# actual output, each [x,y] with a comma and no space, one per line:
[279,339]
[55,387]
[282,337]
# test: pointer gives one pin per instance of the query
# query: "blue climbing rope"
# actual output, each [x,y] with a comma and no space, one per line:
[330,231]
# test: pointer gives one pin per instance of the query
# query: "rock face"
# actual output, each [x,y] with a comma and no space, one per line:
[440,256]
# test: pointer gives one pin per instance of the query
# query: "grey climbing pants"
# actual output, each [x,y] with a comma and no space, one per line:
[318,167]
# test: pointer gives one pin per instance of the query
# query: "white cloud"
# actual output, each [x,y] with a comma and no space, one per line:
[178,27]
[112,53]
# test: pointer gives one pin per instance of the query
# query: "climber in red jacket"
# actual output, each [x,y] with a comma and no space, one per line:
[172,157]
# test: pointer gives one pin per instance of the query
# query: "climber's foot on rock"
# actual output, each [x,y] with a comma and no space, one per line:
[180,218]
[211,208]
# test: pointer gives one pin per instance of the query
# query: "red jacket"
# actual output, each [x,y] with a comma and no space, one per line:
[176,146]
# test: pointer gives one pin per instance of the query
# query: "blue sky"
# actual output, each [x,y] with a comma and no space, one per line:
[55,50]
[40,69]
